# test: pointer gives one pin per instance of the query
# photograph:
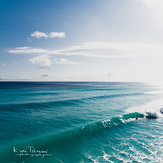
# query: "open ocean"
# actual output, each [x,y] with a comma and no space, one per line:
[71,122]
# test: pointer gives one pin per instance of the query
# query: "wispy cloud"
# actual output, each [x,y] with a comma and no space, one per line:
[28,50]
[42,60]
[99,49]
[63,61]
[38,35]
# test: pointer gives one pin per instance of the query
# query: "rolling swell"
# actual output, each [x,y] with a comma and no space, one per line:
[39,105]
[114,96]
[27,93]
[55,104]
[69,139]
[86,131]
[99,126]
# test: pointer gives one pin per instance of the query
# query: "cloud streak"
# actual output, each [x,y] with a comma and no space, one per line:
[99,50]
[63,61]
[39,35]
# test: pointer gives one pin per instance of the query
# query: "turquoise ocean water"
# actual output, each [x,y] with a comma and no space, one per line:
[50,122]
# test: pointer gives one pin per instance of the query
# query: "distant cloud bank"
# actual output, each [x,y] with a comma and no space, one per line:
[38,35]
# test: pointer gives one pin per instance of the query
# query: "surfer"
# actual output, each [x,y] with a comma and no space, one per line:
[137,116]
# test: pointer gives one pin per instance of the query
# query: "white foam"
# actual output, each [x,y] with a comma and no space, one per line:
[105,122]
[154,92]
[90,158]
[127,120]
[149,109]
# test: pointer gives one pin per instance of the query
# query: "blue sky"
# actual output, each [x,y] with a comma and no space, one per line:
[87,40]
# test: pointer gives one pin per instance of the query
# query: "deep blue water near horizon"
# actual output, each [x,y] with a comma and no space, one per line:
[80,122]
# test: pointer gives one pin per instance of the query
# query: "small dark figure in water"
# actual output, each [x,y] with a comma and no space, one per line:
[137,116]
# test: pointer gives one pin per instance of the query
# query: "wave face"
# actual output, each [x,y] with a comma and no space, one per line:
[79,122]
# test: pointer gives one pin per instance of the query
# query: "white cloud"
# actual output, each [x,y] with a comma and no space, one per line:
[42,60]
[57,34]
[38,35]
[100,50]
[63,61]
[27,50]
